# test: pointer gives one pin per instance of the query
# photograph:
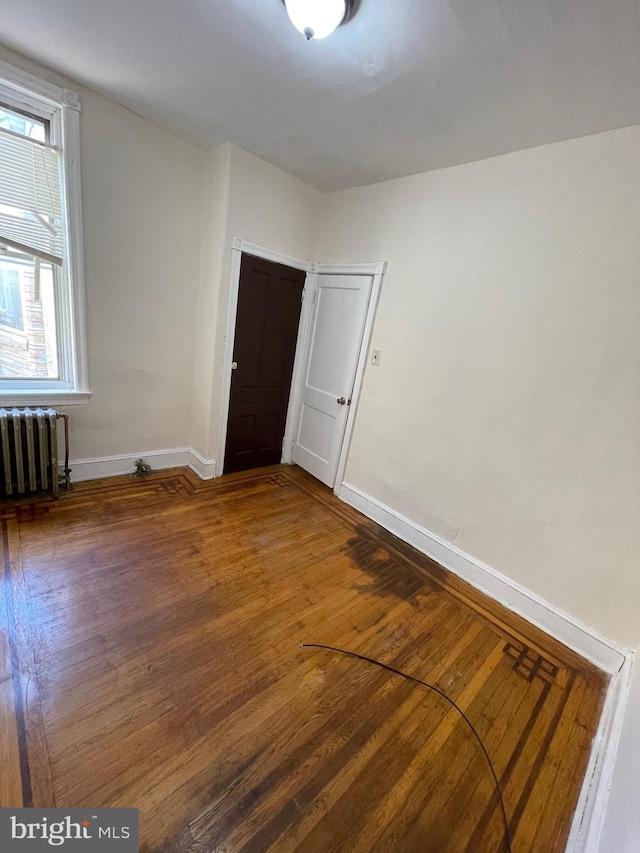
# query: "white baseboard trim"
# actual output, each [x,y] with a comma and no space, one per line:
[589,815]
[599,650]
[114,466]
[206,469]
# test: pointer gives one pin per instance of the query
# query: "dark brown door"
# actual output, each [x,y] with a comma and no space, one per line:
[269,304]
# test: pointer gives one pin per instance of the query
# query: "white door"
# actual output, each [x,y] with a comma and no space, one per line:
[340,311]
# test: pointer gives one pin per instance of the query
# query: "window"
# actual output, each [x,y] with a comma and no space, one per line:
[42,332]
[10,298]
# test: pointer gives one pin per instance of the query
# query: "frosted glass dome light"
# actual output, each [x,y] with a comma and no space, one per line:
[317,19]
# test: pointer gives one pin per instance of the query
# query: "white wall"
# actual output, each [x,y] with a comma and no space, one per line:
[267,207]
[505,412]
[213,261]
[271,208]
[142,206]
[143,197]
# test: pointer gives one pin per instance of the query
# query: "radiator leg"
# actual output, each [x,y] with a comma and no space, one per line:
[66,471]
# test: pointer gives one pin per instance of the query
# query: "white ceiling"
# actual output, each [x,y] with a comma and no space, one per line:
[404,87]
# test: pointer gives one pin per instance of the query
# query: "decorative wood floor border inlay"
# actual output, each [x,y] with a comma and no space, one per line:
[149,657]
[25,779]
[179,485]
[530,665]
[16,679]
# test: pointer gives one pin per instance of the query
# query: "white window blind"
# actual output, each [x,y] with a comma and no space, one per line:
[31,217]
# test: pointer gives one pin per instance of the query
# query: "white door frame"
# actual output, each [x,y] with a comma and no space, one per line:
[376,270]
[239,247]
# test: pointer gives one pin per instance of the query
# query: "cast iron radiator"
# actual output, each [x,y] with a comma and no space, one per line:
[29,451]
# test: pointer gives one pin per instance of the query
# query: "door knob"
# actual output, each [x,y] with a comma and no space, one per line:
[341,401]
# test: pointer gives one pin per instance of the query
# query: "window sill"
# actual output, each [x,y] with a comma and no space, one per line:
[44,398]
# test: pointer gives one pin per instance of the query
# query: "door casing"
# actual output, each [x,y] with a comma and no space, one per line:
[376,270]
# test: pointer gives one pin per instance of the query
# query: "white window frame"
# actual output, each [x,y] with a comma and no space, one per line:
[62,109]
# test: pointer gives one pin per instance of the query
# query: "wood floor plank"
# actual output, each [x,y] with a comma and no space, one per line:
[35,770]
[150,636]
[10,778]
[559,773]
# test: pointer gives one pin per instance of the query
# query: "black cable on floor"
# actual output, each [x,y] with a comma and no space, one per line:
[507,834]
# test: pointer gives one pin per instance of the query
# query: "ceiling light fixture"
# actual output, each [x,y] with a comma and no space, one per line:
[317,19]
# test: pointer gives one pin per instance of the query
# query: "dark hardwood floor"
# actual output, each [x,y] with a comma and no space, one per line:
[150,656]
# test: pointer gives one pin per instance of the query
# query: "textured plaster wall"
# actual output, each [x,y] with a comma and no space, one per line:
[143,196]
[505,413]
[271,209]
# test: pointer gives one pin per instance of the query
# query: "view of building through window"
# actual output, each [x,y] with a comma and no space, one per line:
[24,124]
[28,340]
